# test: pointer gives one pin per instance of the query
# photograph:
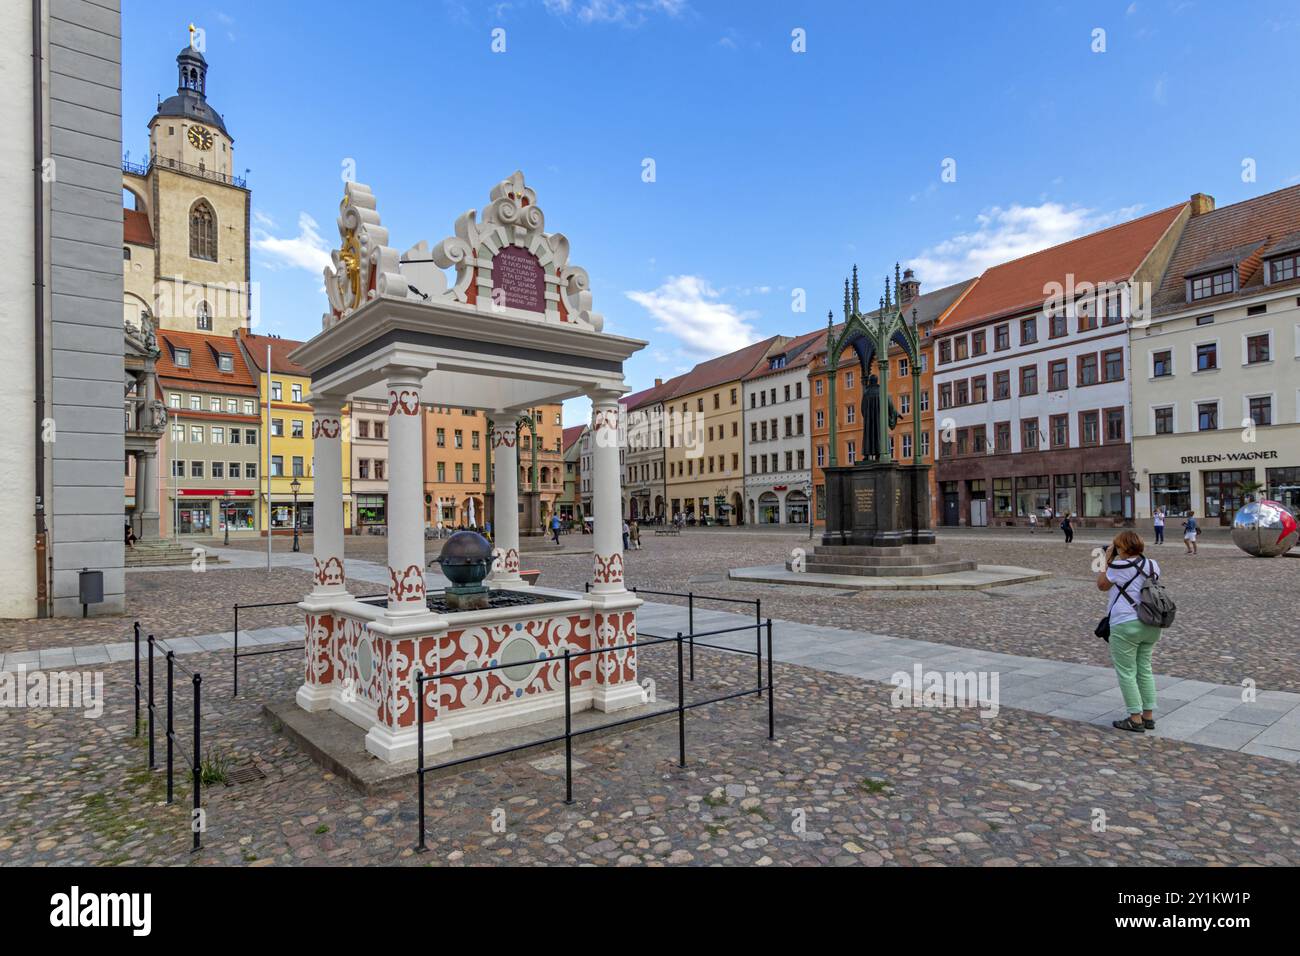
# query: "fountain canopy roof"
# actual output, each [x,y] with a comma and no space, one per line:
[511,327]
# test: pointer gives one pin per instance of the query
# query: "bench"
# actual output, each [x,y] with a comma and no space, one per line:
[668,530]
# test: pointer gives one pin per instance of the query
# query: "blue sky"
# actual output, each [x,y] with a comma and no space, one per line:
[775,170]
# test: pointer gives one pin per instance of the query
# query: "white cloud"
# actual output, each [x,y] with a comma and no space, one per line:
[1005,234]
[626,12]
[691,310]
[307,250]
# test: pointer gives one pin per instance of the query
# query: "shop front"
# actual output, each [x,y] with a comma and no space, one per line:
[201,511]
[372,511]
[282,514]
[1215,473]
[1094,484]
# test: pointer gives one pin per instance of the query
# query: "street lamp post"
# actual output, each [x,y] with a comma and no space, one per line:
[295,486]
[225,511]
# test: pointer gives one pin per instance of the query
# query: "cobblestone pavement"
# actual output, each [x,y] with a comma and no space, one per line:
[176,603]
[1237,615]
[849,780]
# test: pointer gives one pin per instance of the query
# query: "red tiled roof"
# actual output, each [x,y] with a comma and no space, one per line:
[648,396]
[136,228]
[255,349]
[1239,235]
[799,351]
[725,368]
[572,434]
[203,372]
[1111,255]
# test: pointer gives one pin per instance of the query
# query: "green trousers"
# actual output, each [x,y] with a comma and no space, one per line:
[1131,644]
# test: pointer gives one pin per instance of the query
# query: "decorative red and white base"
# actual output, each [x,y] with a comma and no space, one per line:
[361,663]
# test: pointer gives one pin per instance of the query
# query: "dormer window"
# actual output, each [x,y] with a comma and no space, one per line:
[1284,269]
[225,362]
[182,358]
[1210,284]
[778,361]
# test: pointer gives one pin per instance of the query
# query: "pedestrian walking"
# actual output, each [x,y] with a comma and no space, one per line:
[1158,519]
[1132,642]
[1068,527]
[1190,531]
[1033,522]
[555,529]
[635,529]
[625,535]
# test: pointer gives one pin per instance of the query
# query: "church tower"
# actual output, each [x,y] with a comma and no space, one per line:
[185,249]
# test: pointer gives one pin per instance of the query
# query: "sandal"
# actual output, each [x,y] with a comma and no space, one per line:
[1149,724]
[1127,724]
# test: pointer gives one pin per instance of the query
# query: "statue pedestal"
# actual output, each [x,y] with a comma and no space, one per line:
[878,505]
[531,519]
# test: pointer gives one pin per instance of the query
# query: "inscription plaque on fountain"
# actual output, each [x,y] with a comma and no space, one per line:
[520,279]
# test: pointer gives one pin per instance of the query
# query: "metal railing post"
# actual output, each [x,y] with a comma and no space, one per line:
[690,621]
[568,733]
[419,752]
[170,725]
[681,707]
[198,762]
[235,635]
[152,764]
[137,679]
[758,642]
[771,693]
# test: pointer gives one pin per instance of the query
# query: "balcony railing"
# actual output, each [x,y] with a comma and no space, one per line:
[142,169]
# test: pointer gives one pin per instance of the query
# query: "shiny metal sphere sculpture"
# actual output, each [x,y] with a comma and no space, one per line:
[466,558]
[1265,529]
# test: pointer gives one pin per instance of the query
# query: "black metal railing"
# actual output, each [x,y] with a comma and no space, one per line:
[691,598]
[237,653]
[142,169]
[194,757]
[645,640]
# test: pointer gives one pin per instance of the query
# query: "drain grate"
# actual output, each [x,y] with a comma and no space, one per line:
[249,774]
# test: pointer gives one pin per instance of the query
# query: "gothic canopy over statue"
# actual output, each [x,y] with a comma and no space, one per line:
[503,260]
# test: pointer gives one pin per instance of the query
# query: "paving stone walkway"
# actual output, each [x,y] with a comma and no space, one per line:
[1194,711]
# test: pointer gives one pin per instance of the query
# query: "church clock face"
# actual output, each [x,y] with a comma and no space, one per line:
[200,138]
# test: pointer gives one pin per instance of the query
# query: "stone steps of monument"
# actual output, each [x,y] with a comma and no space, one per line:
[890,571]
[881,561]
[161,554]
[929,550]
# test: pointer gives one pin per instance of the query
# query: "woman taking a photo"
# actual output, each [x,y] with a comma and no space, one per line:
[1131,642]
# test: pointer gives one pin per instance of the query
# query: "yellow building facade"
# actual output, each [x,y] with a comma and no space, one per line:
[287,439]
[703,418]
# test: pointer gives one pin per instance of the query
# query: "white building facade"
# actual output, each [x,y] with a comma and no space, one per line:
[1216,385]
[778,436]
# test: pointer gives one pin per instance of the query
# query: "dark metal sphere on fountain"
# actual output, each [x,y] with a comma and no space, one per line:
[1264,529]
[466,558]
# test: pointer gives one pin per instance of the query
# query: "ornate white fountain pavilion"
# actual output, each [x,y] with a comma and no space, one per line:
[514,330]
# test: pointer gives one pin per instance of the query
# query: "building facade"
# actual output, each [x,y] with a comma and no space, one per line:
[287,432]
[703,417]
[455,467]
[776,431]
[212,448]
[1216,394]
[63,449]
[645,478]
[369,466]
[1031,380]
[571,500]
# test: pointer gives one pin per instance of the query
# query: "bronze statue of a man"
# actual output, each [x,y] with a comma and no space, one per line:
[871,440]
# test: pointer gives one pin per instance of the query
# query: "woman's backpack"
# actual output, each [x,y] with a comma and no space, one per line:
[1155,605]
